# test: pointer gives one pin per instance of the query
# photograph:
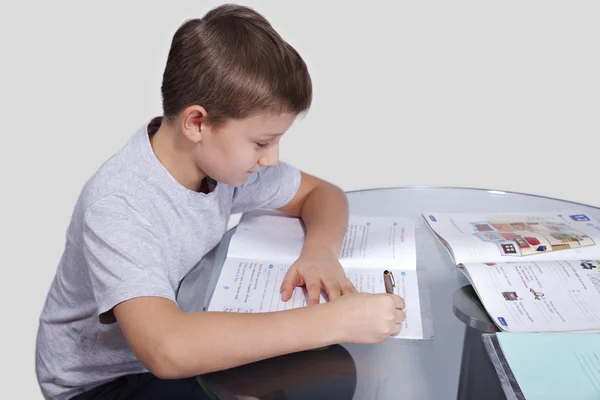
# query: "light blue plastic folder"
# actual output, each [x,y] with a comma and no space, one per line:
[554,365]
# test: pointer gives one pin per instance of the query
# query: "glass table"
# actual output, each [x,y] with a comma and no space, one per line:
[394,369]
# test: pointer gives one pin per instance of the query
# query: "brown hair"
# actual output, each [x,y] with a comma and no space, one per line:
[233,63]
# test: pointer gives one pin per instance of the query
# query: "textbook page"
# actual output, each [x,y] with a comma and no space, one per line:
[553,365]
[539,296]
[252,286]
[386,241]
[509,237]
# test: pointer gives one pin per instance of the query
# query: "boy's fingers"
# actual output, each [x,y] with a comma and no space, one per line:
[400,316]
[314,292]
[291,280]
[333,290]
[399,302]
[348,287]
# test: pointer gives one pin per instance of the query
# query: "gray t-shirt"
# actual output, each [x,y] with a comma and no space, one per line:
[135,231]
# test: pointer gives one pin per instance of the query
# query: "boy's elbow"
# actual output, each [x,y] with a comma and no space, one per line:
[173,360]
[152,328]
[163,361]
[165,370]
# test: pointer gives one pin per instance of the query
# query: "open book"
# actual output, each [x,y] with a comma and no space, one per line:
[533,272]
[265,244]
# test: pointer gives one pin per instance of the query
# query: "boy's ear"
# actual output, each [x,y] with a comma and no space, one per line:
[193,120]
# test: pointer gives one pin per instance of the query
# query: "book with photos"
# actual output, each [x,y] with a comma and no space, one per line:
[533,272]
[266,243]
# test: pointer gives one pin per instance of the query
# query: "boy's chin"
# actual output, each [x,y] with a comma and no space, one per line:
[237,182]
[233,180]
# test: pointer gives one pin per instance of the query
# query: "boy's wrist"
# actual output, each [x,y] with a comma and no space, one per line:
[321,247]
[329,321]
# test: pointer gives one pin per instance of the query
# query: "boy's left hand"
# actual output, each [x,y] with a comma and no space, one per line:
[317,268]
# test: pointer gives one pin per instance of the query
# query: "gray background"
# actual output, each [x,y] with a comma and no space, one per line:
[500,95]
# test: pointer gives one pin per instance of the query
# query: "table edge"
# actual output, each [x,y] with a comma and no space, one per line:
[416,187]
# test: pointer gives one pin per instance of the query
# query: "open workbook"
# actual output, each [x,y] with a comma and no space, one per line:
[533,272]
[265,244]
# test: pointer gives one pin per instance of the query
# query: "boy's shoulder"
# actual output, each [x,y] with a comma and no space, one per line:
[134,179]
[120,175]
[131,181]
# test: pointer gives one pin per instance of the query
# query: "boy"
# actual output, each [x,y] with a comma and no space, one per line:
[110,327]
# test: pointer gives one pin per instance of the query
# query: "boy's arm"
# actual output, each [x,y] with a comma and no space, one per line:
[173,344]
[324,209]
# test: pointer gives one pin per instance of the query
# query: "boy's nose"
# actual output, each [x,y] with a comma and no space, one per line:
[270,158]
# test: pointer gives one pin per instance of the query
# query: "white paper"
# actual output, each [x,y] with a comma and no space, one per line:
[539,296]
[388,241]
[252,286]
[265,235]
[379,241]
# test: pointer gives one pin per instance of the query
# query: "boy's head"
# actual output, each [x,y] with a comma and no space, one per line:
[233,86]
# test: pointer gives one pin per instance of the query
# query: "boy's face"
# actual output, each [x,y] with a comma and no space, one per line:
[237,148]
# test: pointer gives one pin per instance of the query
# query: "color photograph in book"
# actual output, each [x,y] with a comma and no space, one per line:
[265,244]
[507,237]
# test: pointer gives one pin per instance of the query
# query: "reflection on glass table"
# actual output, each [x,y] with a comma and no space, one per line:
[327,373]
[394,369]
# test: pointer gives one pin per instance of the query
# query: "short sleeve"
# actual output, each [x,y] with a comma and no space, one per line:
[123,253]
[269,188]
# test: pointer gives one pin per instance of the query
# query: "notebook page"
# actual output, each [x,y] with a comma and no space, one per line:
[554,365]
[388,241]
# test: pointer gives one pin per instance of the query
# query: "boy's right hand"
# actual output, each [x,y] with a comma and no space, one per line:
[366,317]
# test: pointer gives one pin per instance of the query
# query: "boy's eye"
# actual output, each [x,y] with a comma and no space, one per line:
[263,145]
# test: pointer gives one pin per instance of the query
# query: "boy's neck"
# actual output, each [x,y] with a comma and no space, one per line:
[174,152]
